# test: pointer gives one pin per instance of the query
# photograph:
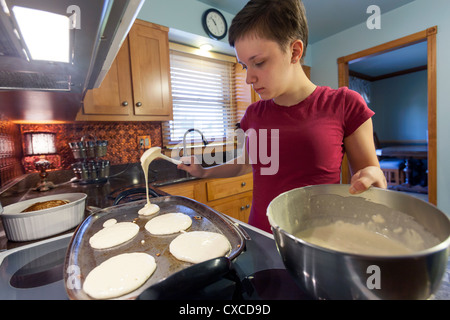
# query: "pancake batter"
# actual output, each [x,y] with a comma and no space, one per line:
[119,275]
[199,246]
[352,238]
[148,156]
[113,234]
[168,223]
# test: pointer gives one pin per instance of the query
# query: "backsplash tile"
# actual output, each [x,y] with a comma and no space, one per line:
[121,136]
[10,151]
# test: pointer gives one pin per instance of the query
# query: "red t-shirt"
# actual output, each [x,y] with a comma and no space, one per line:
[301,144]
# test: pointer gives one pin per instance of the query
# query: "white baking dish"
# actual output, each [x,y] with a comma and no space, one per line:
[26,226]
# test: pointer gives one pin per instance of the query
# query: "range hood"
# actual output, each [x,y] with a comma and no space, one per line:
[97,29]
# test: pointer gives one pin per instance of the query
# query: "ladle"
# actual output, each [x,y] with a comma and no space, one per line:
[155,152]
[147,157]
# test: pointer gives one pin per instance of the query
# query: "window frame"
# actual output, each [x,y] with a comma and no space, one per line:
[167,143]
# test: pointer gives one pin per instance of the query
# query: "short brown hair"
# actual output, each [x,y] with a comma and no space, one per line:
[282,21]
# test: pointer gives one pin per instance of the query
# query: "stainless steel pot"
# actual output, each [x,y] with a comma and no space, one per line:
[329,274]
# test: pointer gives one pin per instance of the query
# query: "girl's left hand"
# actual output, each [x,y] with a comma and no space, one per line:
[367,177]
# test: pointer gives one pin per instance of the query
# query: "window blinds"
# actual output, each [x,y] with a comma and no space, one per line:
[203,94]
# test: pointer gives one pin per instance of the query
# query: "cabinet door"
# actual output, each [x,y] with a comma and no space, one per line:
[114,96]
[150,69]
[182,189]
[244,209]
[238,208]
[221,188]
[230,208]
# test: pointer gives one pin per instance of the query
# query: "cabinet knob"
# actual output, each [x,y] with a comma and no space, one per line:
[138,104]
[247,206]
[125,103]
[242,208]
[243,184]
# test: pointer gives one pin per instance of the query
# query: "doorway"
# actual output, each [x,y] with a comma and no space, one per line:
[428,35]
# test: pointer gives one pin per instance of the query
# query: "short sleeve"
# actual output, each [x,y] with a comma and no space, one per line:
[356,112]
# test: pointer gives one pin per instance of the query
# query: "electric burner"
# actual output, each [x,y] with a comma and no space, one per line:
[34,271]
[41,271]
[132,193]
[272,284]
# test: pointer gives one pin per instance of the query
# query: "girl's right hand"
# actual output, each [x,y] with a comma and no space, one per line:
[192,165]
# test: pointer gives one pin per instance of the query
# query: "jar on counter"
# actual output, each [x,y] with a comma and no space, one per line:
[103,168]
[92,170]
[101,148]
[90,149]
[78,149]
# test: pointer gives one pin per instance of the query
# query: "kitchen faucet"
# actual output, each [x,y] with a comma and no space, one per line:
[205,142]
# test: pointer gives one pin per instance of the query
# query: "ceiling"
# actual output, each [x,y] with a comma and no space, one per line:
[328,17]
[402,59]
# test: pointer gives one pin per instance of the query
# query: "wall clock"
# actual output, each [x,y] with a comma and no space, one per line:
[214,24]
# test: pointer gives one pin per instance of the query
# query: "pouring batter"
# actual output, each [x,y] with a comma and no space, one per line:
[148,156]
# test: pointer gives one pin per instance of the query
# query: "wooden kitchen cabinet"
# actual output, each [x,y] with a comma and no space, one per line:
[221,188]
[185,189]
[150,69]
[231,196]
[237,206]
[115,95]
[137,87]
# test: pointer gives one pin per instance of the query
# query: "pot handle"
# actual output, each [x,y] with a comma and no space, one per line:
[187,280]
[241,230]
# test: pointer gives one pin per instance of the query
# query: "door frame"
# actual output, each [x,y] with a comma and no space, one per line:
[428,35]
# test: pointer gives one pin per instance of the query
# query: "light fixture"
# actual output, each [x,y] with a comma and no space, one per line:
[45,34]
[205,47]
[41,144]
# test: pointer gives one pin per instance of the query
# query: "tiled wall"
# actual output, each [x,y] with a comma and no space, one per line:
[10,151]
[121,136]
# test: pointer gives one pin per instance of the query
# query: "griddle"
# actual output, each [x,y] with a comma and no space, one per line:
[81,258]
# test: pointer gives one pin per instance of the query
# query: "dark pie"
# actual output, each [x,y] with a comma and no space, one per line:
[45,205]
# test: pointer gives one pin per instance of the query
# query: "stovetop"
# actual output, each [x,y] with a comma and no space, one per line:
[132,193]
[36,272]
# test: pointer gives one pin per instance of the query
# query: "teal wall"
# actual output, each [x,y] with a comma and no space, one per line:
[408,19]
[184,15]
[401,110]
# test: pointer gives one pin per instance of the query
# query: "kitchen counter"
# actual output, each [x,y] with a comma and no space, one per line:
[121,176]
[99,195]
